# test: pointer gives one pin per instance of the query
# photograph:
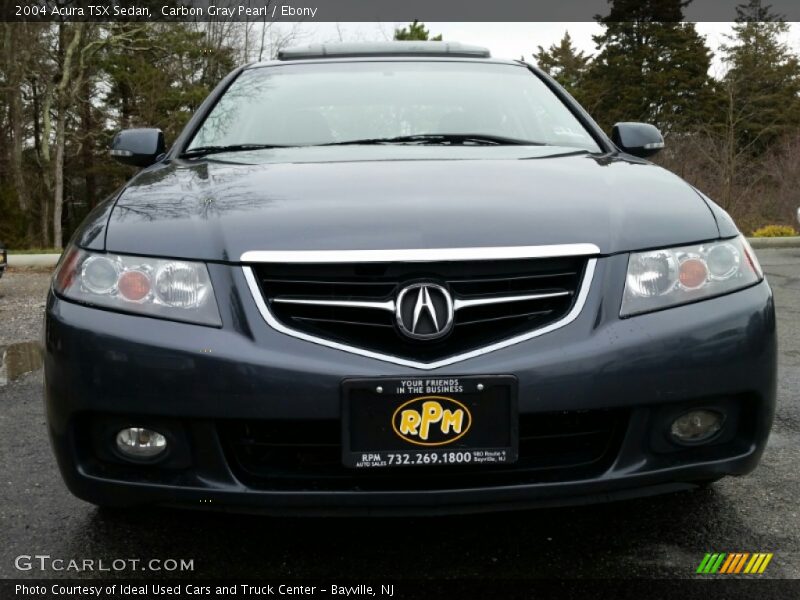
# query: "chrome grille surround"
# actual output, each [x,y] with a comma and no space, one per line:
[418,256]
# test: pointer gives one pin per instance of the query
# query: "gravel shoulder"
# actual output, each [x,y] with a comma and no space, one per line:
[22,302]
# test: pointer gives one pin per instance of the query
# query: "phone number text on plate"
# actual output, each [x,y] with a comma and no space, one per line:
[453,457]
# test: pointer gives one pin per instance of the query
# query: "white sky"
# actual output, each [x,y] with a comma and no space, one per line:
[507,40]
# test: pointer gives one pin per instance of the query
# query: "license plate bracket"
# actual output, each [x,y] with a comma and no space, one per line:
[429,421]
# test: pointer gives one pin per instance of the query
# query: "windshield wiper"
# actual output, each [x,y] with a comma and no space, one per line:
[206,150]
[461,139]
[478,139]
[575,152]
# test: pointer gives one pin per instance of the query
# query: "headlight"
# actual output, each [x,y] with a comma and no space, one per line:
[661,278]
[178,290]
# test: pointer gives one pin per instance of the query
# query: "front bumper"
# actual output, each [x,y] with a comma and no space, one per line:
[117,368]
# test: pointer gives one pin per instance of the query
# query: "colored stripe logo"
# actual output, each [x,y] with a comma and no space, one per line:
[733,563]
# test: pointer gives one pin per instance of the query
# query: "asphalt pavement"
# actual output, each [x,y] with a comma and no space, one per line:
[664,536]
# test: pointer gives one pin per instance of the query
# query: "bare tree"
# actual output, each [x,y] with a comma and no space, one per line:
[14,36]
[78,44]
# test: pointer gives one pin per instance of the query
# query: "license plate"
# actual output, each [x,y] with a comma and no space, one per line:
[429,421]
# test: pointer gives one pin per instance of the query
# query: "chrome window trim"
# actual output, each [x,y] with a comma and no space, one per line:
[417,255]
[580,301]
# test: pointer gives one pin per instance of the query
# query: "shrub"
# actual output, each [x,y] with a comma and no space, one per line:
[775,231]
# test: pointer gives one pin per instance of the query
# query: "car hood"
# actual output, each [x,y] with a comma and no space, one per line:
[217,210]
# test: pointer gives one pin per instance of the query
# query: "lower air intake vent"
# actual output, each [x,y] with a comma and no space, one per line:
[307,455]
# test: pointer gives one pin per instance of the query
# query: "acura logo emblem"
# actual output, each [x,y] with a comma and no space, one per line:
[424,311]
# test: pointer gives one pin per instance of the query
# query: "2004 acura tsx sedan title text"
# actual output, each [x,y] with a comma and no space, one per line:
[403,277]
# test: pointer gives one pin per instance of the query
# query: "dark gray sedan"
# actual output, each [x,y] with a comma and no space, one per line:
[403,278]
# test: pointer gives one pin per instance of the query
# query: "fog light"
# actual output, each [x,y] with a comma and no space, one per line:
[138,442]
[696,426]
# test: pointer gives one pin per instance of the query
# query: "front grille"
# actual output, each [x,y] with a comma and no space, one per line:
[497,299]
[306,455]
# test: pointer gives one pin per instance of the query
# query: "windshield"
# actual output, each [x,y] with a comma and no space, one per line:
[328,103]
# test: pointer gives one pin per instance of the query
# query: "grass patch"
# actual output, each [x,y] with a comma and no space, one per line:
[775,231]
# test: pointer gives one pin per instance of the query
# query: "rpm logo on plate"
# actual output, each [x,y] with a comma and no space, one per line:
[431,421]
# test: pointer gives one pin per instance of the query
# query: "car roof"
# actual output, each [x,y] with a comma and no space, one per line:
[383,49]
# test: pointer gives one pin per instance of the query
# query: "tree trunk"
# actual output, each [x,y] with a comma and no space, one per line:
[37,133]
[46,167]
[62,102]
[44,222]
[87,149]
[58,178]
[15,70]
[17,119]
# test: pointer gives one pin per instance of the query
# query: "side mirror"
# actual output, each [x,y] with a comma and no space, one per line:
[138,147]
[639,139]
